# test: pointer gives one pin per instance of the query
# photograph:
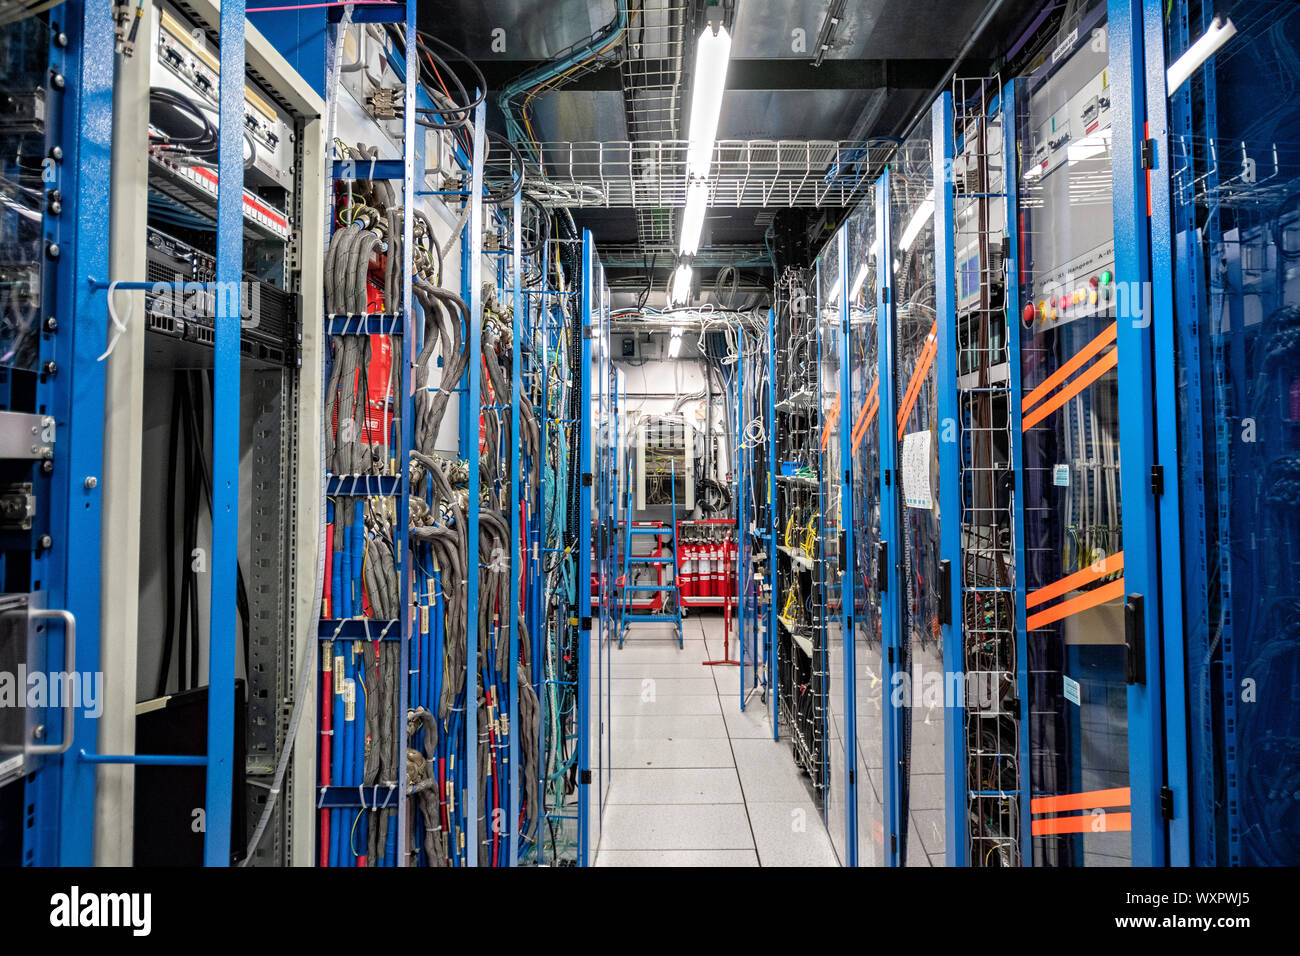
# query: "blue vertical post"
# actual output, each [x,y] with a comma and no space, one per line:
[222,625]
[742,525]
[1011,96]
[583,719]
[1134,343]
[63,789]
[516,526]
[1160,314]
[848,566]
[474,403]
[401,542]
[889,605]
[949,451]
[771,525]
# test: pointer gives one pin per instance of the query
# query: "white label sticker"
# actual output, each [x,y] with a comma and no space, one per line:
[916,470]
[1061,476]
[1071,690]
[1066,45]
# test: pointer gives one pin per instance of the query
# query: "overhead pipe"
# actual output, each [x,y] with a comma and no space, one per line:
[541,74]
[976,32]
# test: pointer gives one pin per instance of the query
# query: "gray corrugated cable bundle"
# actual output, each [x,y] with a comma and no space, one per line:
[423,784]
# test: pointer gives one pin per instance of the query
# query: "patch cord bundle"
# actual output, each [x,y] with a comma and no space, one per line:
[832,567]
[800,647]
[361,720]
[988,572]
[755,511]
[558,594]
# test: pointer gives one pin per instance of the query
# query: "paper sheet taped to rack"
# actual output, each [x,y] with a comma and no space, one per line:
[916,470]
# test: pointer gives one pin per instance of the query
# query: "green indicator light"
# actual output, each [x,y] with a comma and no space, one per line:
[1105,278]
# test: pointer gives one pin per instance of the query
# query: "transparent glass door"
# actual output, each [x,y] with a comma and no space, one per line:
[830,291]
[1073,559]
[919,698]
[862,418]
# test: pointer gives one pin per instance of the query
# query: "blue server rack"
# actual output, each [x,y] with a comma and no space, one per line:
[57,556]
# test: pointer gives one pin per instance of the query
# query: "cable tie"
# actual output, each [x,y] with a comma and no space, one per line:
[119,324]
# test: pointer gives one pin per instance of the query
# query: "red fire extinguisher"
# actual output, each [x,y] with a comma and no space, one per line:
[686,582]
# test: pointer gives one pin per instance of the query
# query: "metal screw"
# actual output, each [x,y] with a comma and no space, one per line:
[50,368]
[60,39]
[38,732]
[51,324]
[56,153]
[52,250]
[47,467]
[57,81]
[45,543]
[56,208]
[91,483]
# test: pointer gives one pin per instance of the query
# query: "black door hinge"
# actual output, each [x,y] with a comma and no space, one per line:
[1135,663]
[1166,803]
[891,655]
[884,295]
[586,480]
[585,624]
[1157,479]
[893,843]
[1148,154]
[945,592]
[882,566]
[853,778]
[584,776]
[886,477]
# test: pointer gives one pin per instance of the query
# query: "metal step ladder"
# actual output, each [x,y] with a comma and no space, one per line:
[662,558]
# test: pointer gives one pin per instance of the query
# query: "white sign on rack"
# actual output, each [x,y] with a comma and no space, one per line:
[916,470]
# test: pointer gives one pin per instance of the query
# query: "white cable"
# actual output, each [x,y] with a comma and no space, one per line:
[119,324]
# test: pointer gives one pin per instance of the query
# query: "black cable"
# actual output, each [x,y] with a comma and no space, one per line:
[169,624]
[480,80]
[202,144]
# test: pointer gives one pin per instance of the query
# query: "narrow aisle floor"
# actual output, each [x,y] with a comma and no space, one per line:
[697,782]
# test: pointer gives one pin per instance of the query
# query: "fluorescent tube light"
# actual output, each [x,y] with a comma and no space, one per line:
[675,343]
[922,215]
[712,54]
[1219,33]
[681,288]
[697,203]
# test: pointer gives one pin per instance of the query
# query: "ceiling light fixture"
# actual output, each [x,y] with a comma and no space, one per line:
[680,294]
[697,203]
[712,55]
